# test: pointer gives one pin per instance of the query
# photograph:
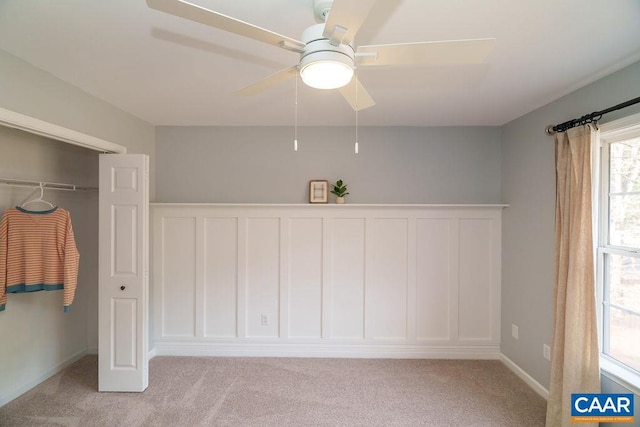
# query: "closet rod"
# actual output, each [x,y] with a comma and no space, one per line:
[48,185]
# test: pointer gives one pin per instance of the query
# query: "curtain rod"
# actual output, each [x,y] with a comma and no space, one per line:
[588,118]
[48,185]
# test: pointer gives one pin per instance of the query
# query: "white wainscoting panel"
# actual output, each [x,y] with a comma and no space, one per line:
[475,294]
[305,277]
[263,277]
[386,285]
[220,277]
[434,263]
[347,278]
[413,281]
[178,277]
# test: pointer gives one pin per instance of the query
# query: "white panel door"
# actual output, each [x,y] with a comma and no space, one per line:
[123,273]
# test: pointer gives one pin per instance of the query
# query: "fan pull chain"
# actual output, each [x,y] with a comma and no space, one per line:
[356,146]
[295,125]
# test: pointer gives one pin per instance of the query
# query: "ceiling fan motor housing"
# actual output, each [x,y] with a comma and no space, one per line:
[319,49]
[321,9]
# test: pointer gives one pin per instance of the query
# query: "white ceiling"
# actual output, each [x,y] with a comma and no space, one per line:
[169,71]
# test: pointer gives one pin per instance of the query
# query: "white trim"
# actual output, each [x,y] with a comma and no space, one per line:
[488,352]
[619,373]
[535,385]
[323,206]
[49,130]
[617,130]
[151,354]
[611,132]
[41,378]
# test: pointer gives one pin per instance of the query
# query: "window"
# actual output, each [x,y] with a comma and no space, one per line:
[618,251]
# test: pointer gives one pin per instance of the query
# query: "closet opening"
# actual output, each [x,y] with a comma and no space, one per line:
[41,160]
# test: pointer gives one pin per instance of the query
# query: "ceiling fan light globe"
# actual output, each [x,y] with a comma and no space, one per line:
[326,74]
[324,65]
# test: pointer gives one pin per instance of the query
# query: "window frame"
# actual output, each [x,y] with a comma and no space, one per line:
[615,131]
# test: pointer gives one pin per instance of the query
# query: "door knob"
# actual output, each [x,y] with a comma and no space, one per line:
[123,287]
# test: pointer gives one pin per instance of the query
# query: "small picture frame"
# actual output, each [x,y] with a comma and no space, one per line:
[318,191]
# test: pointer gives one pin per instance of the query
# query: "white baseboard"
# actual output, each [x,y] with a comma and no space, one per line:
[94,350]
[245,349]
[23,388]
[535,385]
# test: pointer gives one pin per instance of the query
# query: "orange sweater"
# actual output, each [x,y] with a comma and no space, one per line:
[37,252]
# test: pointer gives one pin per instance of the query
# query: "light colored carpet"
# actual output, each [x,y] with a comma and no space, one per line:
[191,391]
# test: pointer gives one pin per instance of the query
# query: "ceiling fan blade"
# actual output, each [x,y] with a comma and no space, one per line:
[345,19]
[361,99]
[452,52]
[204,16]
[270,81]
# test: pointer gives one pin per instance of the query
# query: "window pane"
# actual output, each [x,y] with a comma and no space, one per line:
[624,193]
[624,282]
[623,296]
[624,220]
[624,344]
[624,166]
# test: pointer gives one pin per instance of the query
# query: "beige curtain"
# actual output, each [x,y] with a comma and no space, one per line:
[574,357]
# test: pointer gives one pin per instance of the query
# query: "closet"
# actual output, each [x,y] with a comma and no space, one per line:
[37,336]
[38,339]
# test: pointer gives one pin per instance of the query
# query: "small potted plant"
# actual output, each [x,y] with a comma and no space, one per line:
[340,190]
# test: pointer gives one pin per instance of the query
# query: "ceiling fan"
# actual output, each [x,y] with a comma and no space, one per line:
[328,56]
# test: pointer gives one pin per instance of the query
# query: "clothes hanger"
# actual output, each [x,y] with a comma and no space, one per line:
[38,199]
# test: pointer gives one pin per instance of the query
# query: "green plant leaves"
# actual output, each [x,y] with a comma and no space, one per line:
[339,189]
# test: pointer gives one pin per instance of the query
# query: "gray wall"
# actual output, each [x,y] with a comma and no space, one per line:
[35,93]
[528,186]
[395,165]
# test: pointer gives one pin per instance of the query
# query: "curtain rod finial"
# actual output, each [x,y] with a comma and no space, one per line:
[549,130]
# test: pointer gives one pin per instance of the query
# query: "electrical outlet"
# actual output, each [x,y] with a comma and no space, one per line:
[264,320]
[546,352]
[514,331]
